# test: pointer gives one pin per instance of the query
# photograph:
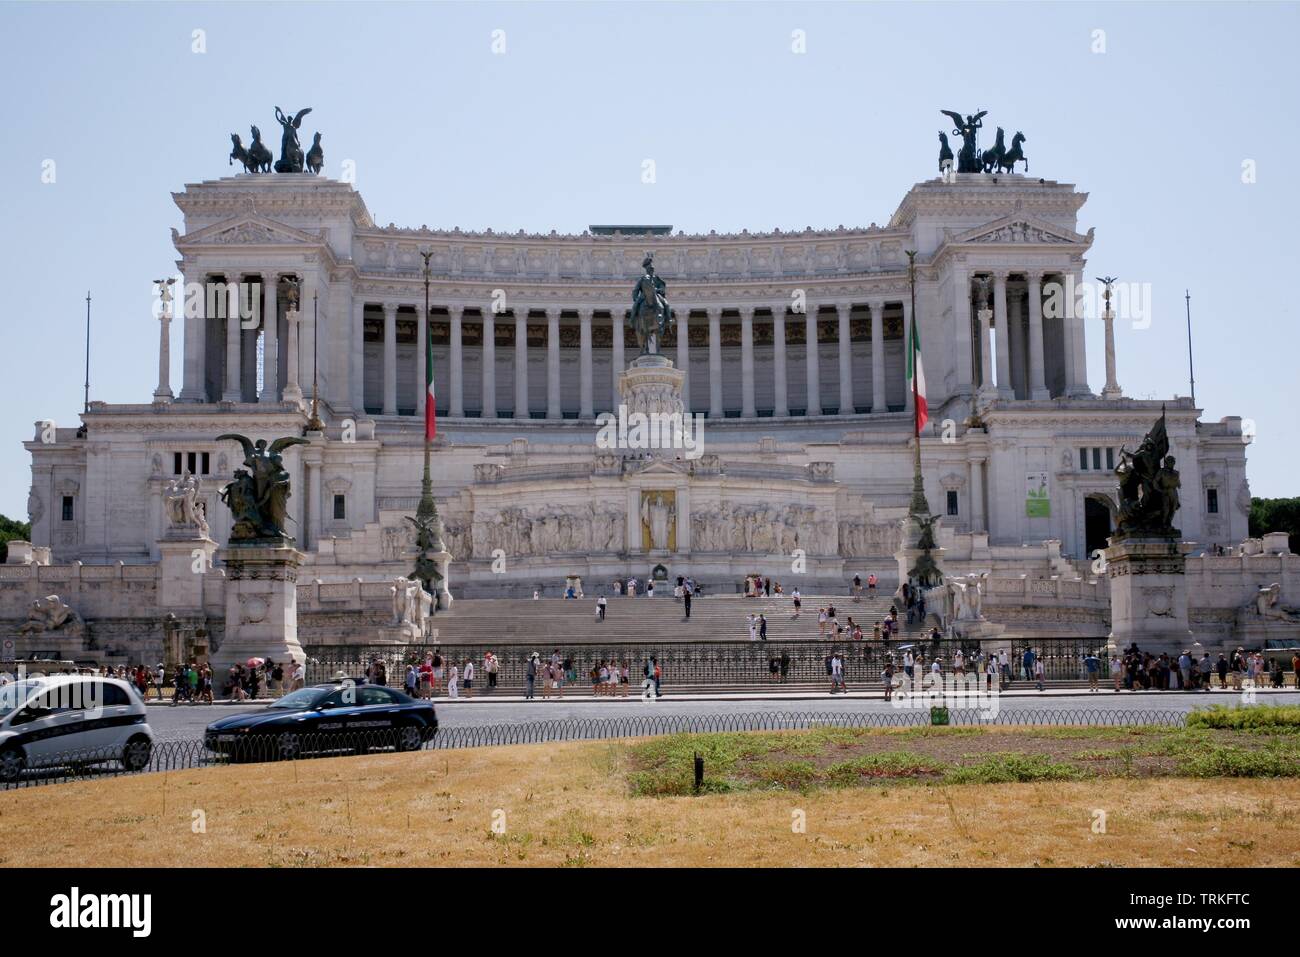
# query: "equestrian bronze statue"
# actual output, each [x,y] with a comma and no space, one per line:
[651,315]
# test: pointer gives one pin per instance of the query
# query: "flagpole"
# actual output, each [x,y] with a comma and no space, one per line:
[86,407]
[1191,371]
[919,504]
[426,507]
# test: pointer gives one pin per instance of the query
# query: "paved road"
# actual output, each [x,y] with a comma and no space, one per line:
[186,722]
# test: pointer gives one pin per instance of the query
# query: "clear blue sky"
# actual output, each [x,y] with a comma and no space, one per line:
[745,134]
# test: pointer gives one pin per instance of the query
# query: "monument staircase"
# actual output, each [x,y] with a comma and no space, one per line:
[544,622]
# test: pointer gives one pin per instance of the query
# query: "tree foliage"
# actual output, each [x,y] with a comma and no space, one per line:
[1276,515]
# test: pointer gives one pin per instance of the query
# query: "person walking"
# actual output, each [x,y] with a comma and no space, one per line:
[889,680]
[837,673]
[753,627]
[1116,671]
[601,604]
[797,602]
[467,678]
[453,682]
[762,627]
[857,588]
[530,677]
[871,584]
[688,592]
[490,668]
[1038,672]
[1092,664]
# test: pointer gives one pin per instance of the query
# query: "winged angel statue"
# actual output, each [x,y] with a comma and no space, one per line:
[258,496]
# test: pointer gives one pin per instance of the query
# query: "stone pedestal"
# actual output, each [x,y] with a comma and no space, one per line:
[651,385]
[404,633]
[1148,594]
[183,569]
[981,630]
[261,605]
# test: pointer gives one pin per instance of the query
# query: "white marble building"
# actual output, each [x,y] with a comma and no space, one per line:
[804,448]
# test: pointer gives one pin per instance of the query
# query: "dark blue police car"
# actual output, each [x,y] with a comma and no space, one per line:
[336,717]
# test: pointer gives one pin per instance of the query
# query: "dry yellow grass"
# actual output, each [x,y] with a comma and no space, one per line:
[567,804]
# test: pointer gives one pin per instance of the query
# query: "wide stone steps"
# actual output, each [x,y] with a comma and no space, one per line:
[640,619]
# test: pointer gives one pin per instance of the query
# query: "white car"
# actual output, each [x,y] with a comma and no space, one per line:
[71,720]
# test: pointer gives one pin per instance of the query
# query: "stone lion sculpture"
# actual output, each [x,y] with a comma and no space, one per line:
[49,614]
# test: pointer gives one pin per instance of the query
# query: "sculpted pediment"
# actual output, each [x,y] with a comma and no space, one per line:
[246,231]
[1021,229]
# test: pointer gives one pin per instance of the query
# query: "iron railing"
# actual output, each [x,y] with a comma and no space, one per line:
[713,664]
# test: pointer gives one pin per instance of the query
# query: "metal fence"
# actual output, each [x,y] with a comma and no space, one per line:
[713,664]
[92,764]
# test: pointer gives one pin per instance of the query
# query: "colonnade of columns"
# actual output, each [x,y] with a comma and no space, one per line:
[520,316]
[248,309]
[1021,366]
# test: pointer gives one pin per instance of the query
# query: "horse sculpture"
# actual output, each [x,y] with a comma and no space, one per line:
[315,156]
[945,152]
[1007,162]
[258,153]
[239,153]
[991,158]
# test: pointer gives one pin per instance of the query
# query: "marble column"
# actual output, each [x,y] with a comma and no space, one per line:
[747,408]
[845,312]
[781,397]
[489,378]
[356,361]
[1111,389]
[521,362]
[1076,358]
[1037,384]
[456,356]
[813,359]
[1016,341]
[193,297]
[1002,323]
[390,358]
[985,317]
[682,317]
[234,360]
[909,400]
[164,391]
[962,333]
[585,406]
[878,403]
[978,522]
[292,387]
[617,361]
[421,360]
[270,339]
[715,362]
[553,410]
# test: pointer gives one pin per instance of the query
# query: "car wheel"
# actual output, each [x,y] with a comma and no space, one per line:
[136,754]
[12,763]
[288,747]
[409,738]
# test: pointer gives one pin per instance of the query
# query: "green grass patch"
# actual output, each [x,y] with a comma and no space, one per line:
[1259,717]
[1008,767]
[1277,759]
[888,765]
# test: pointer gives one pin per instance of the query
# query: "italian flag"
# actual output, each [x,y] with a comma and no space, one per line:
[430,413]
[915,377]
